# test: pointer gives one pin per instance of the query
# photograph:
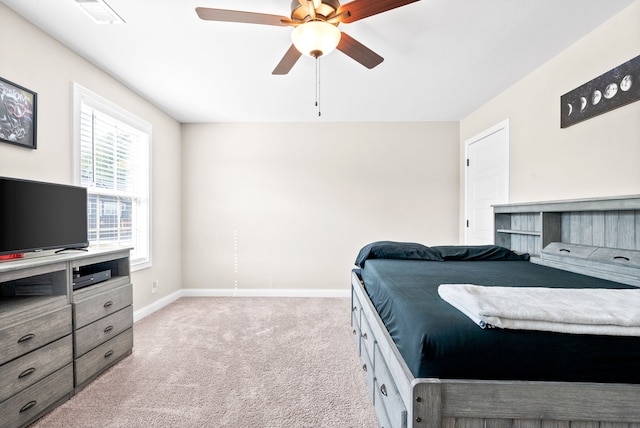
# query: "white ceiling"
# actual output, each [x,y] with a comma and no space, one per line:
[443,58]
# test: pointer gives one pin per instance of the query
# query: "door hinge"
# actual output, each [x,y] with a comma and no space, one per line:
[467,162]
[467,223]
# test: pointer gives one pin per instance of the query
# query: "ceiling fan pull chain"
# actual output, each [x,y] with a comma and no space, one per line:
[318,85]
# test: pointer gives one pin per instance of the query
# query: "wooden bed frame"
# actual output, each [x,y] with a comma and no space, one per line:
[598,237]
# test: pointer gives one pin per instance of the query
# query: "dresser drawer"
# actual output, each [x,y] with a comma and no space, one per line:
[100,305]
[356,309]
[381,412]
[387,392]
[366,337]
[33,401]
[92,335]
[18,339]
[367,367]
[96,360]
[356,337]
[34,366]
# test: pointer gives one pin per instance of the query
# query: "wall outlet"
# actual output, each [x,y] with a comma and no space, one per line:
[154,286]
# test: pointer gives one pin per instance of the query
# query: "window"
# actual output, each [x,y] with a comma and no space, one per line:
[112,152]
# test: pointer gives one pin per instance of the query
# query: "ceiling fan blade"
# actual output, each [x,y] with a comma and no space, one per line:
[359,9]
[359,52]
[288,61]
[224,15]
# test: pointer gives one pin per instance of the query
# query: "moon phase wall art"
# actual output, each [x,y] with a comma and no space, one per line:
[615,88]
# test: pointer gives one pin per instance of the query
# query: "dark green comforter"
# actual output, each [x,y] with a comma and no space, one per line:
[436,340]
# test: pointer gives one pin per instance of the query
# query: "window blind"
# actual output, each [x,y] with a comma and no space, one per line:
[114,166]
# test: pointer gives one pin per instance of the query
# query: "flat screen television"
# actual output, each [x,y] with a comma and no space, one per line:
[37,216]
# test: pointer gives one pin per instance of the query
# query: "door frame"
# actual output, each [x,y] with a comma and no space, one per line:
[492,130]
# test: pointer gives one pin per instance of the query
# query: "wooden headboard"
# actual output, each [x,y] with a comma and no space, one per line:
[598,236]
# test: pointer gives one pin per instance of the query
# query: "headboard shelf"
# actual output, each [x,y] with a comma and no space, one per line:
[608,203]
[520,232]
[596,236]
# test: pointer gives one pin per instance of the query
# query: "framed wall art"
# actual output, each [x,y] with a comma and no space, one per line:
[615,88]
[18,107]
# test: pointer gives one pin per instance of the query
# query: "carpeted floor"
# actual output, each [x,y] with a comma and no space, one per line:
[231,362]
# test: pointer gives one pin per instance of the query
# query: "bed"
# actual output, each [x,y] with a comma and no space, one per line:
[444,370]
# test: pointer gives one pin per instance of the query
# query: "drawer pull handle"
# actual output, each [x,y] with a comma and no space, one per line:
[26,337]
[565,250]
[108,329]
[29,405]
[364,367]
[107,304]
[621,258]
[364,336]
[108,354]
[26,373]
[383,389]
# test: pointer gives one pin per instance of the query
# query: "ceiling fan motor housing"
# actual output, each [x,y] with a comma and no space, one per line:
[301,12]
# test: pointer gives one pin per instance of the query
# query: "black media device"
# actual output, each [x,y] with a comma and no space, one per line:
[36,216]
[81,280]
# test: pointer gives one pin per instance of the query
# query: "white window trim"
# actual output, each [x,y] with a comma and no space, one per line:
[81,94]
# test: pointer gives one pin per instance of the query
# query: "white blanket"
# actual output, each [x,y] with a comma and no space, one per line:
[566,310]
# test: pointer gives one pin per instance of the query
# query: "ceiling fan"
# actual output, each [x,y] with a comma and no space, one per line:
[316,31]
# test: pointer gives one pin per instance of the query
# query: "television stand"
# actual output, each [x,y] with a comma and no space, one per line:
[56,340]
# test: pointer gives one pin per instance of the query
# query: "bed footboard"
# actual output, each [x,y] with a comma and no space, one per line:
[470,403]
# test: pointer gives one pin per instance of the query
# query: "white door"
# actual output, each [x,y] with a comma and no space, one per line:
[487,181]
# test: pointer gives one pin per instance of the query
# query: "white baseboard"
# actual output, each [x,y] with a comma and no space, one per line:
[230,292]
[155,306]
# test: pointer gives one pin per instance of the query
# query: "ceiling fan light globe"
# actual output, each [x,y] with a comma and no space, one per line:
[316,38]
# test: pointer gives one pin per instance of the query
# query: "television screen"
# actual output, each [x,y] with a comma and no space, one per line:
[41,216]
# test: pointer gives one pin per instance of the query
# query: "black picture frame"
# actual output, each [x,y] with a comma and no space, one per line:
[615,88]
[18,115]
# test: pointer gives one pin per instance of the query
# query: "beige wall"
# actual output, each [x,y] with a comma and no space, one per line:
[288,206]
[48,68]
[598,157]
